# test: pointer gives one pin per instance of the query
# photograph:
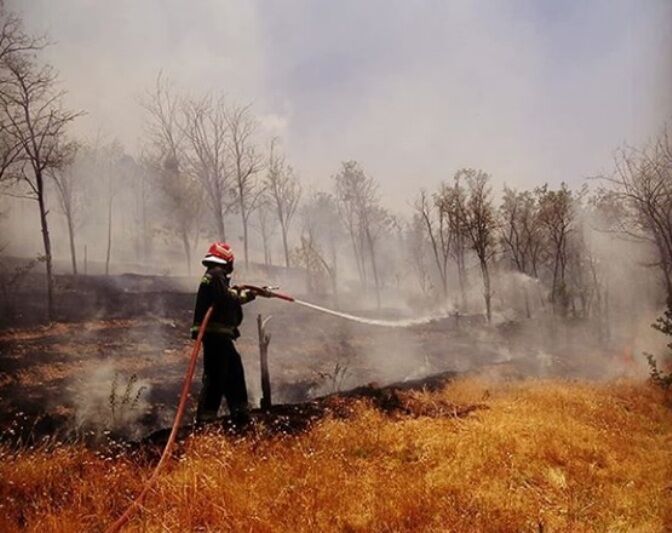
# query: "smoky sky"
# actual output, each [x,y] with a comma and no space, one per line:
[530,91]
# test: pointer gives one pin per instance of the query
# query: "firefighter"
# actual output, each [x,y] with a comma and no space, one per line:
[223,373]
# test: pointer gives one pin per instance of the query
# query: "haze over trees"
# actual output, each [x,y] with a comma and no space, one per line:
[180,195]
[204,169]
[284,192]
[364,218]
[638,199]
[32,125]
[478,216]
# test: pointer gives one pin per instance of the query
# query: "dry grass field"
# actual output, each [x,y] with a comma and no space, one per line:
[536,455]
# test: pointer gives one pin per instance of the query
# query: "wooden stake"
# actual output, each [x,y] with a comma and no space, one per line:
[264,341]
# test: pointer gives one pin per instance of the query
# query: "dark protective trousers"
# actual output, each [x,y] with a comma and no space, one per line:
[223,375]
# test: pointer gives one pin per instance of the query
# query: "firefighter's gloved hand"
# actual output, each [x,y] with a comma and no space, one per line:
[246,295]
[241,294]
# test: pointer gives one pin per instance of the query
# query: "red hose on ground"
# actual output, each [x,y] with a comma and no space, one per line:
[124,518]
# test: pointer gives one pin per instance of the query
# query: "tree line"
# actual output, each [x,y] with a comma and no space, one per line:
[205,168]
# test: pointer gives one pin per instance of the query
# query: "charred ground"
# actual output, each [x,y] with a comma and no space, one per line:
[66,380]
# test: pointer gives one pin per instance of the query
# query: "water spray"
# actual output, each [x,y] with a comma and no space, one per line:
[270,292]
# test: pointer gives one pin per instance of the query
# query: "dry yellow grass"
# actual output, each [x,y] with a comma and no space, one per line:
[552,455]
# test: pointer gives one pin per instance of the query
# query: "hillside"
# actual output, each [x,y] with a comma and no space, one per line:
[533,455]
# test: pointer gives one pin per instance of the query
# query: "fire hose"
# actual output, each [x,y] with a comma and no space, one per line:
[268,292]
[124,518]
[179,414]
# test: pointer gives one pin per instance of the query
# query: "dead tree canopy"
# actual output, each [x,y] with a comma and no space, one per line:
[180,191]
[68,181]
[451,200]
[363,216]
[284,191]
[320,236]
[478,215]
[416,246]
[521,234]
[641,192]
[434,218]
[246,163]
[32,118]
[557,219]
[265,225]
[15,47]
[205,128]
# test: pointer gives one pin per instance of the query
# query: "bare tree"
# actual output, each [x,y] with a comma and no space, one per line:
[265,225]
[14,44]
[109,166]
[30,109]
[13,39]
[416,244]
[363,216]
[205,127]
[308,256]
[451,201]
[437,228]
[162,107]
[246,164]
[67,180]
[557,217]
[584,280]
[285,192]
[180,191]
[346,186]
[521,234]
[641,200]
[111,193]
[321,233]
[181,200]
[480,224]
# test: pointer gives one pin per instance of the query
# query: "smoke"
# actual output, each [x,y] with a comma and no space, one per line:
[107,400]
[529,91]
[523,89]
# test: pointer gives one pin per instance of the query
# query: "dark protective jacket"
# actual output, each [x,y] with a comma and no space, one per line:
[228,313]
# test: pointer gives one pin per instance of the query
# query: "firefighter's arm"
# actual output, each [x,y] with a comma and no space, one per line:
[242,295]
[220,291]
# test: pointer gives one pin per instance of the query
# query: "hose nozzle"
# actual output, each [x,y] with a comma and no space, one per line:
[268,292]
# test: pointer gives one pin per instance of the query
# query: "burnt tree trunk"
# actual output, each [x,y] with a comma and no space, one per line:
[243,217]
[462,279]
[285,245]
[221,229]
[71,235]
[486,290]
[217,208]
[245,244]
[47,243]
[264,341]
[109,237]
[374,266]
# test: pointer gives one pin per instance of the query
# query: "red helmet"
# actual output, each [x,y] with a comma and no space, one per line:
[220,253]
